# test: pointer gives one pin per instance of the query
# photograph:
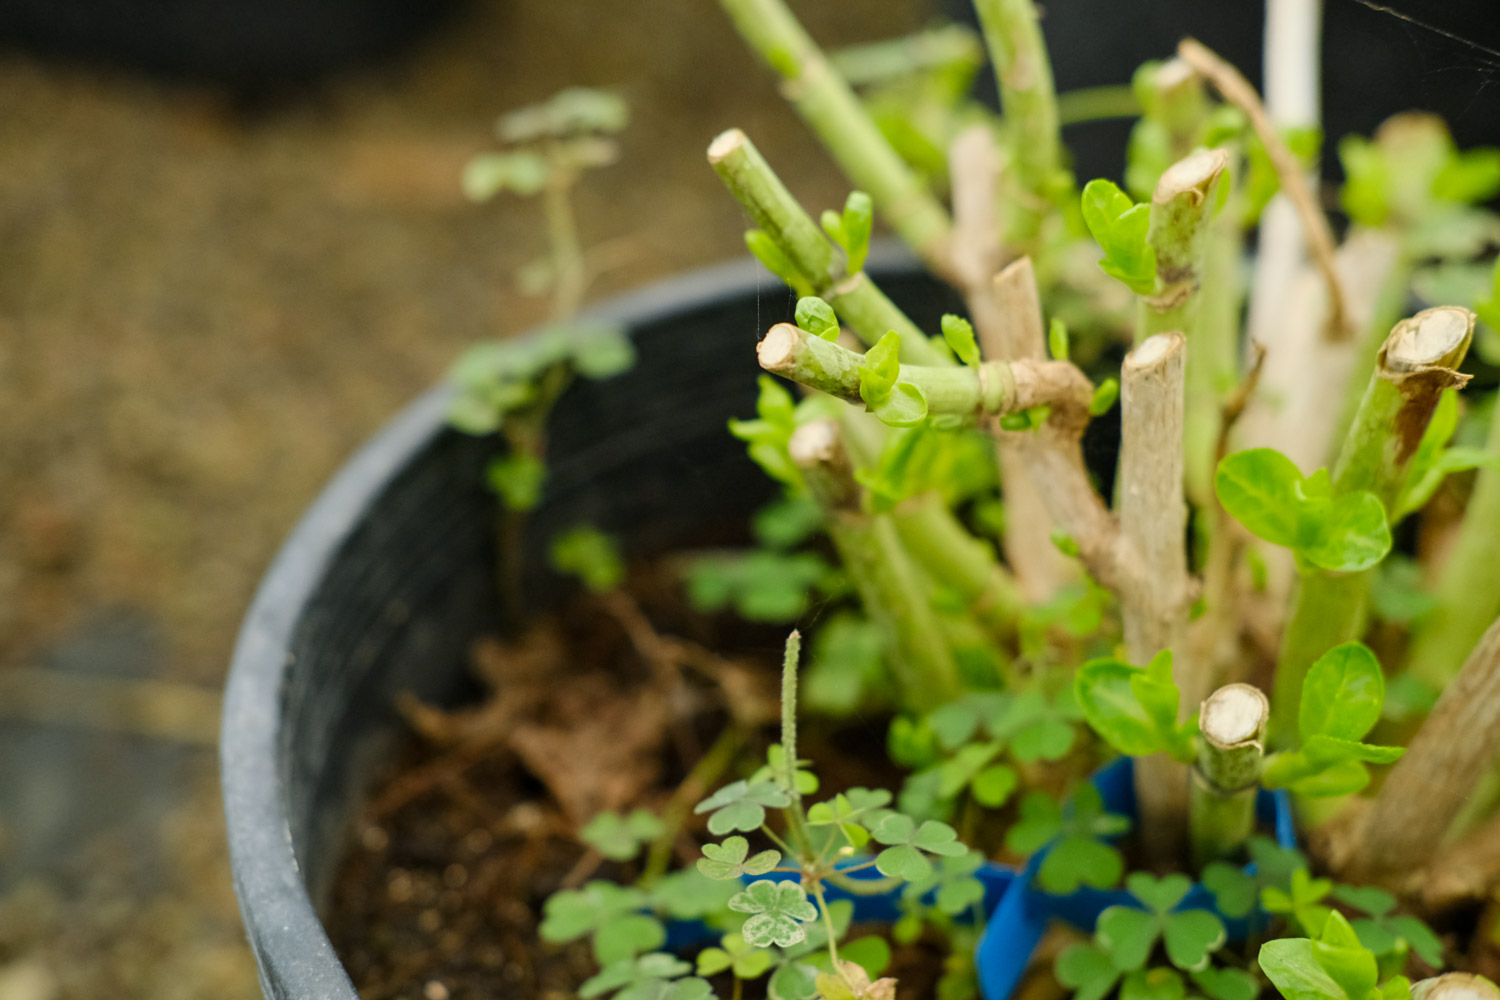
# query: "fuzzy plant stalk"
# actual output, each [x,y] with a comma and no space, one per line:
[1028,98]
[789,663]
[1416,365]
[1221,815]
[891,586]
[1467,595]
[1153,526]
[1181,212]
[832,110]
[1426,789]
[859,302]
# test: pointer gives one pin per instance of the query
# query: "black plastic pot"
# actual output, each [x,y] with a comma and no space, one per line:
[390,575]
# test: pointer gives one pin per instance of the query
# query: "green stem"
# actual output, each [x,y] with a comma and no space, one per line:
[567,254]
[704,773]
[833,947]
[1414,367]
[947,552]
[1467,598]
[1181,210]
[1213,358]
[1029,102]
[859,302]
[832,110]
[994,388]
[1221,811]
[935,48]
[1090,104]
[894,592]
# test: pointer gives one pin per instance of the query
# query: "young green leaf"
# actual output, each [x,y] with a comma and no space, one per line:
[600,350]
[880,369]
[910,843]
[1133,710]
[737,956]
[1119,227]
[589,554]
[517,478]
[1341,694]
[817,317]
[1057,339]
[854,229]
[1105,395]
[959,335]
[771,257]
[853,812]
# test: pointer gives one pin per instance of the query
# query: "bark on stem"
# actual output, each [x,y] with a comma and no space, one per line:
[1415,366]
[1153,526]
[889,583]
[1180,212]
[862,306]
[1028,99]
[1222,813]
[1428,786]
[832,110]
[1235,89]
[1467,595]
[1016,333]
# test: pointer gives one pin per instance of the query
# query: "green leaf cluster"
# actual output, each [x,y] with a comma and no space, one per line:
[909,845]
[778,415]
[1119,226]
[589,554]
[497,379]
[817,318]
[1077,854]
[610,913]
[1126,937]
[1134,709]
[899,404]
[741,805]
[1342,696]
[760,585]
[648,977]
[851,229]
[1434,460]
[1266,492]
[957,464]
[1332,966]
[621,838]
[847,670]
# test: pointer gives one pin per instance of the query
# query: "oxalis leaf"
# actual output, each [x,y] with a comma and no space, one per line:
[741,806]
[910,845]
[779,909]
[728,860]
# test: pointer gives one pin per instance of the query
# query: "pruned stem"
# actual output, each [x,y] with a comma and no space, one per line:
[1428,786]
[1029,100]
[1455,986]
[858,301]
[1153,524]
[1181,210]
[1467,597]
[1229,82]
[1232,724]
[1415,366]
[890,585]
[832,110]
[994,388]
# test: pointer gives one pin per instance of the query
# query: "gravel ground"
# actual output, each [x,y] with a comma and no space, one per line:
[204,307]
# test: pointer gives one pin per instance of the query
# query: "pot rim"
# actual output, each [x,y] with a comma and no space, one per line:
[292,950]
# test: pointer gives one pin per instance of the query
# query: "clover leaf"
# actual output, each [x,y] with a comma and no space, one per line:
[1302,901]
[589,554]
[778,911]
[1077,857]
[1119,226]
[620,838]
[728,860]
[688,894]
[1226,984]
[852,812]
[649,977]
[736,955]
[1086,969]
[741,806]
[1189,935]
[1153,984]
[1385,933]
[910,844]
[1037,728]
[1233,890]
[608,911]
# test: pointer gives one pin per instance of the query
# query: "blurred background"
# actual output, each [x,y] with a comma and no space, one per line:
[232,243]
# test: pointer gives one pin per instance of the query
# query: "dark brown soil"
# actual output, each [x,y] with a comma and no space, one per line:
[593,709]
